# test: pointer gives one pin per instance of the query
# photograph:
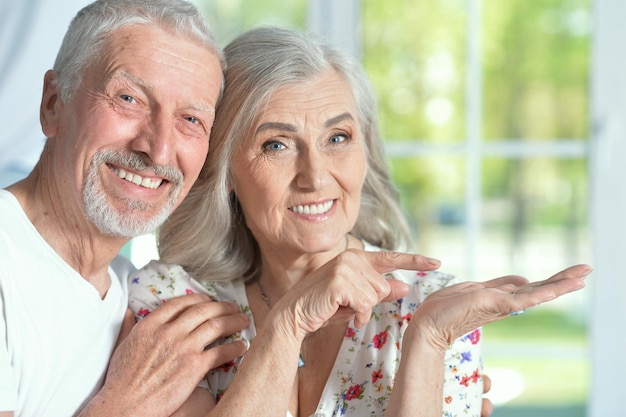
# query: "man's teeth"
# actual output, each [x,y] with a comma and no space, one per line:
[138,180]
[313,209]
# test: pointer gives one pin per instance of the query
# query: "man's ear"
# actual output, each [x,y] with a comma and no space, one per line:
[49,111]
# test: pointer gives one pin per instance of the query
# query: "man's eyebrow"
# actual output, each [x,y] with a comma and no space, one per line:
[127,75]
[278,126]
[133,78]
[205,108]
[334,120]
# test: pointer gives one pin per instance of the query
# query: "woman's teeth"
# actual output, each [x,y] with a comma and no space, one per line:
[313,209]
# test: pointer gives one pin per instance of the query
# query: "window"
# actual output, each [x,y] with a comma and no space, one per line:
[484,110]
[485,113]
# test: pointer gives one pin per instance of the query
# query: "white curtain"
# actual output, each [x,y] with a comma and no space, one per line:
[608,209]
[30,34]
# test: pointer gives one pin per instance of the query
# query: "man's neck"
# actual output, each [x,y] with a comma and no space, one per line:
[62,224]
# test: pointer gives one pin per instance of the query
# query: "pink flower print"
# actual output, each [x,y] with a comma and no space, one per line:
[354,391]
[143,312]
[380,339]
[376,375]
[475,336]
[475,376]
[406,319]
[350,332]
[189,291]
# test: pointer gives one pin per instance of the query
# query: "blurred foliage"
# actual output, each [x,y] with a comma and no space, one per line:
[538,326]
[229,18]
[414,53]
[535,70]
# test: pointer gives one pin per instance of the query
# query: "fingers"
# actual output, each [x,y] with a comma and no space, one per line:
[385,261]
[486,384]
[487,408]
[566,281]
[363,272]
[216,327]
[576,272]
[513,281]
[398,289]
[222,354]
[190,311]
[194,318]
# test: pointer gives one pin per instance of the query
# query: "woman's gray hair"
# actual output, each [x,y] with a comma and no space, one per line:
[90,28]
[207,234]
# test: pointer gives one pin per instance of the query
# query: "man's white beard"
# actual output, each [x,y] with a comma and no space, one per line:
[131,222]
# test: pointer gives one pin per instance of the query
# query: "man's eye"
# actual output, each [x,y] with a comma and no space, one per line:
[192,119]
[127,98]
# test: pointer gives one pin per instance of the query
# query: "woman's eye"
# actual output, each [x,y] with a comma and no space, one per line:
[273,146]
[193,120]
[339,138]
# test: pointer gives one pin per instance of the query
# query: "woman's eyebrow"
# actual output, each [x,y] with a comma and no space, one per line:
[278,126]
[292,128]
[334,120]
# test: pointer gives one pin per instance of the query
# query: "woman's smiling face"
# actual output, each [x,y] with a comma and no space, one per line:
[299,175]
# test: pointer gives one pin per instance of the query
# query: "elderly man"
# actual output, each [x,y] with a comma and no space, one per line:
[127,112]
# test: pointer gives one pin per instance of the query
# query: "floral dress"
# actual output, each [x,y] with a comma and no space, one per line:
[362,378]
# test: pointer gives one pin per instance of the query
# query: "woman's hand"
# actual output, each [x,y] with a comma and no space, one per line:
[345,288]
[453,311]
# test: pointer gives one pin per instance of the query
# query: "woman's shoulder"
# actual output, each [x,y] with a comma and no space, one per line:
[165,280]
[172,280]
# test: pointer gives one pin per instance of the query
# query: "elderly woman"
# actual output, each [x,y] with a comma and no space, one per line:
[294,217]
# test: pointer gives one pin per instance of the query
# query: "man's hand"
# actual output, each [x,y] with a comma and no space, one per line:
[160,362]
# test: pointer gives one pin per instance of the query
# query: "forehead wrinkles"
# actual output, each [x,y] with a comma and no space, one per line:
[187,61]
[326,100]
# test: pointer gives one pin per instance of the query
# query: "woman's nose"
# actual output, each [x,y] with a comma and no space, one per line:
[312,171]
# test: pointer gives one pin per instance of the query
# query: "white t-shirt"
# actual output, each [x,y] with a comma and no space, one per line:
[56,333]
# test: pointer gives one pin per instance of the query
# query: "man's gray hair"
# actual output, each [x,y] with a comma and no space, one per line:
[91,27]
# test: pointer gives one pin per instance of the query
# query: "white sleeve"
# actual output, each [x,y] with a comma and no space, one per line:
[8,389]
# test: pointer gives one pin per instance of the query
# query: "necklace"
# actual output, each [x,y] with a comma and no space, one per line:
[266,300]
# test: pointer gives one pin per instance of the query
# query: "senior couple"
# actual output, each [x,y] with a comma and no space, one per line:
[281,244]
